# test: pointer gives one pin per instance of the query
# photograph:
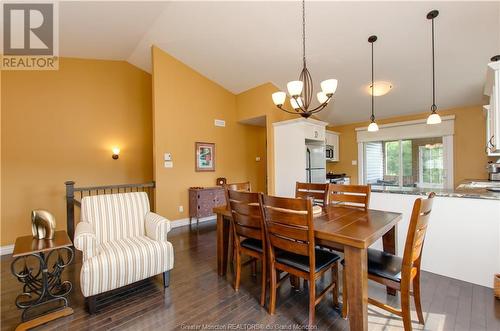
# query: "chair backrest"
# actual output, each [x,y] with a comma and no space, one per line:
[288,224]
[116,216]
[319,192]
[416,231]
[243,186]
[247,215]
[350,195]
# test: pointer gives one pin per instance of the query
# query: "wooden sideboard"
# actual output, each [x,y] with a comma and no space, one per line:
[203,200]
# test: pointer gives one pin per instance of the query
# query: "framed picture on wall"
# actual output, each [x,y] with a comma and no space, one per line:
[205,156]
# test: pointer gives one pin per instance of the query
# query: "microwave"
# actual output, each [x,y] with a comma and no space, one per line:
[330,152]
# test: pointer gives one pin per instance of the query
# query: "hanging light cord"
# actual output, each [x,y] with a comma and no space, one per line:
[373,115]
[304,32]
[433,107]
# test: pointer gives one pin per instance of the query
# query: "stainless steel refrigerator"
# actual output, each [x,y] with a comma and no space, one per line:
[315,162]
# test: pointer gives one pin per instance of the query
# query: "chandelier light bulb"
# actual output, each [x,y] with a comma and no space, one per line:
[322,97]
[434,118]
[329,86]
[279,98]
[296,103]
[373,127]
[295,87]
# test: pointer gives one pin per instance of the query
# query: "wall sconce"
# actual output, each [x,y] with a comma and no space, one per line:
[116,153]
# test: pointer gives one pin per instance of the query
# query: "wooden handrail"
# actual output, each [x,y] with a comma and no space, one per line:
[71,201]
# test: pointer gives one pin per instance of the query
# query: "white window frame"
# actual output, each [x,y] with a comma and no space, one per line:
[421,182]
[411,130]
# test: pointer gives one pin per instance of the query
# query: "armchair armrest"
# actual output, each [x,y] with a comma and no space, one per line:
[157,226]
[85,240]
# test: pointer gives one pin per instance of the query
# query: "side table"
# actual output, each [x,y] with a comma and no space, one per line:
[43,286]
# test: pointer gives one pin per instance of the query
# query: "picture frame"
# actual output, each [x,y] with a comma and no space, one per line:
[204,154]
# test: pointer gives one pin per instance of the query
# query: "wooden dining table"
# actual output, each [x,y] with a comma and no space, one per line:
[352,230]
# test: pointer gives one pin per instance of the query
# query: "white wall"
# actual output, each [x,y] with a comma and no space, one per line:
[463,236]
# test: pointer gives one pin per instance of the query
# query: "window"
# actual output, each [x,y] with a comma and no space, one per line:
[431,165]
[404,163]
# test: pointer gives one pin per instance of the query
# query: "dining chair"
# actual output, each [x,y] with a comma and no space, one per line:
[289,231]
[401,273]
[248,233]
[240,186]
[319,192]
[350,195]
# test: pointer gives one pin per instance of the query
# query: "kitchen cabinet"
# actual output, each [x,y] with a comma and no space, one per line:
[313,131]
[493,109]
[332,139]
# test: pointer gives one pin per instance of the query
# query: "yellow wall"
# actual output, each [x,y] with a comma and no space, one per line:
[61,125]
[469,143]
[185,105]
[257,102]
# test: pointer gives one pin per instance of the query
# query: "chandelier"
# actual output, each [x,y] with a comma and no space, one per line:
[301,91]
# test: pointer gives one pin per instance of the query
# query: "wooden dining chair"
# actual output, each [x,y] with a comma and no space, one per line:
[401,273]
[245,187]
[248,232]
[319,192]
[289,228]
[350,195]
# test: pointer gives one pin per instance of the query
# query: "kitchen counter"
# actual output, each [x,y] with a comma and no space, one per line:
[459,219]
[467,189]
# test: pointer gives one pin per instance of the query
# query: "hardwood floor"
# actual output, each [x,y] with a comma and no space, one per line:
[197,296]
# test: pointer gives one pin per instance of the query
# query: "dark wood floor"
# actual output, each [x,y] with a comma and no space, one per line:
[197,296]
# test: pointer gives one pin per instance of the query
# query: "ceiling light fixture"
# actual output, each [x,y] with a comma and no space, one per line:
[434,117]
[301,91]
[379,88]
[373,126]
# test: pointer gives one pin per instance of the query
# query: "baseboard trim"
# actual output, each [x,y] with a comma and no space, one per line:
[8,249]
[185,221]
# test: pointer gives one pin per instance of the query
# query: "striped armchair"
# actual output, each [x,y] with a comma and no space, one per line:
[122,243]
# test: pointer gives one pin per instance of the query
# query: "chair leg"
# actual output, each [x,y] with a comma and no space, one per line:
[231,246]
[166,279]
[272,299]
[416,297]
[238,271]
[264,283]
[92,304]
[254,268]
[312,302]
[344,295]
[405,306]
[335,288]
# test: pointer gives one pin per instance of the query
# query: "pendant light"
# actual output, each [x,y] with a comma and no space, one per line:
[301,91]
[434,117]
[373,126]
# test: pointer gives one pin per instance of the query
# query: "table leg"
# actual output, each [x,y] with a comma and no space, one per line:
[222,244]
[389,244]
[357,287]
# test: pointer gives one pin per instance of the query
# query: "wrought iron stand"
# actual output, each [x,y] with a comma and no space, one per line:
[44,296]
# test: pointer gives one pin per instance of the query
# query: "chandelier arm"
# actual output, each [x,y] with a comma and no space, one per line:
[319,108]
[290,112]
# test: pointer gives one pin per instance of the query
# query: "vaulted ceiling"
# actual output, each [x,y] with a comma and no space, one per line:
[244,44]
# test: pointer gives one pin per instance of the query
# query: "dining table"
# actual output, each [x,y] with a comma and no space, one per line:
[348,229]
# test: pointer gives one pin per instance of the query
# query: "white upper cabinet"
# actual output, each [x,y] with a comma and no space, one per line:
[493,109]
[332,140]
[313,131]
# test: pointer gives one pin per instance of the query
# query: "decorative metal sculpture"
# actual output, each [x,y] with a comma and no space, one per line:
[43,224]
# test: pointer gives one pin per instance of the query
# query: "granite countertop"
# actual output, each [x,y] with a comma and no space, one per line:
[464,190]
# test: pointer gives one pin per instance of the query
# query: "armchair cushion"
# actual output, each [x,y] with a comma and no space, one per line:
[157,226]
[85,240]
[125,261]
